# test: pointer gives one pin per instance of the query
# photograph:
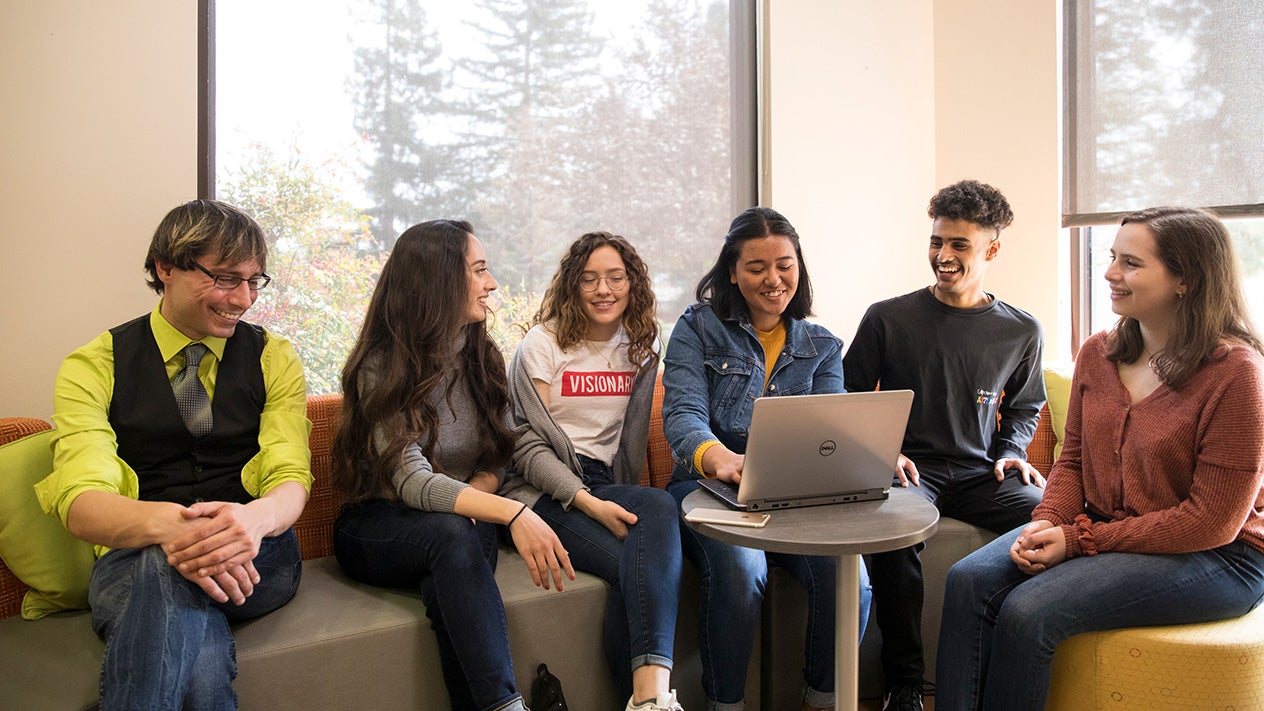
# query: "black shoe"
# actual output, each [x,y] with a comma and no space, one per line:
[907,697]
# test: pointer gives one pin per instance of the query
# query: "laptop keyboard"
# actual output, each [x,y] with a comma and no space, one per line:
[721,485]
[723,491]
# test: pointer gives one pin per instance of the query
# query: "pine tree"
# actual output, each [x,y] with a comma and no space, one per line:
[538,71]
[397,88]
[660,168]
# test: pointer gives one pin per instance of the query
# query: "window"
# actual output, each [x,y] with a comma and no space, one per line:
[339,124]
[1248,240]
[1163,108]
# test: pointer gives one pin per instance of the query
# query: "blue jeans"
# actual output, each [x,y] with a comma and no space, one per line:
[733,583]
[1000,626]
[643,570]
[977,499]
[452,561]
[167,644]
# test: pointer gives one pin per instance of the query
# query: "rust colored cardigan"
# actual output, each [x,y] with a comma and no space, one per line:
[1179,471]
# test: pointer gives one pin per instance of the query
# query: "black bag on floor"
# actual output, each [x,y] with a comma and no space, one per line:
[546,691]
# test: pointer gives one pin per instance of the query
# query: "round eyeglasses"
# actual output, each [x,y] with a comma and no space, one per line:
[615,282]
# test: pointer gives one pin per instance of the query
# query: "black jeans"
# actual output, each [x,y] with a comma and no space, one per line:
[897,576]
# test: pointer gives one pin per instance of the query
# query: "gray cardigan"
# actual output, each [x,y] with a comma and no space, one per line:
[544,459]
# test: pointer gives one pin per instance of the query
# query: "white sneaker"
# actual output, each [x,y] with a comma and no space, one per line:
[664,702]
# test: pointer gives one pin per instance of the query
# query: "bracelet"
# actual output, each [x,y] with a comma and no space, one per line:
[515,516]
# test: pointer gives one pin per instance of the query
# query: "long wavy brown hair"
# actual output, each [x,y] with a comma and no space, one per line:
[562,307]
[1195,246]
[418,312]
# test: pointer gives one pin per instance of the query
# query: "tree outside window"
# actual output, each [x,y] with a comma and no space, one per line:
[338,125]
[1165,109]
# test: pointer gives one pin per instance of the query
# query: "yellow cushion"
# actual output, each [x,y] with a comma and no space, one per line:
[34,545]
[1058,392]
[1214,665]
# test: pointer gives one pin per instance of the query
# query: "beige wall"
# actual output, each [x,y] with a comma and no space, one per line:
[997,119]
[853,145]
[874,105]
[99,139]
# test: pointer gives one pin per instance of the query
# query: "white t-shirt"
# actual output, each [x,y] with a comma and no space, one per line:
[589,388]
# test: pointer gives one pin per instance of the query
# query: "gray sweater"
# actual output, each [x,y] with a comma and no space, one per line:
[544,459]
[456,446]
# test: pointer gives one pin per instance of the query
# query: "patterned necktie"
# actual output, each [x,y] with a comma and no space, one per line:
[191,398]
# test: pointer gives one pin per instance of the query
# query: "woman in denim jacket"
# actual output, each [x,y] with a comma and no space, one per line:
[747,338]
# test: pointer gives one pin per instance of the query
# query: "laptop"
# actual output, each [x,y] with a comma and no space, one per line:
[806,450]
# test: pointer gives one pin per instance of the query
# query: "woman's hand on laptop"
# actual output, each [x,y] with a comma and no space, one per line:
[723,464]
[906,471]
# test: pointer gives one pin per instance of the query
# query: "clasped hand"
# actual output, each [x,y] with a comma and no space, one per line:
[1039,546]
[217,549]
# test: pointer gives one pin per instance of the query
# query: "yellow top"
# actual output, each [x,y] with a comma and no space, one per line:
[772,341]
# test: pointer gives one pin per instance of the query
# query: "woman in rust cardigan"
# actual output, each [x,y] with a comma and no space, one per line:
[1154,514]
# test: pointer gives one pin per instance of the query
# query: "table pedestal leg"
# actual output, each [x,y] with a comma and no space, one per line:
[847,633]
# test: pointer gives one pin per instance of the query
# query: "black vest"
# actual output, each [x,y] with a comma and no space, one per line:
[171,463]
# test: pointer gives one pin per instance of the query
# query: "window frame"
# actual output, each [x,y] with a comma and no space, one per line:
[1074,154]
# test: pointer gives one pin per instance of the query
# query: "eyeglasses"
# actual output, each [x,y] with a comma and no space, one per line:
[228,282]
[616,282]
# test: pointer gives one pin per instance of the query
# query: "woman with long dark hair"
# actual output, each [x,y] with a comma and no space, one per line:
[423,448]
[1153,513]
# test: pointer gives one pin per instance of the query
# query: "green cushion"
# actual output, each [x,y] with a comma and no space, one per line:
[1058,392]
[34,545]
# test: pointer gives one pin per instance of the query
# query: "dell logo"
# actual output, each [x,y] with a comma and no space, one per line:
[827,448]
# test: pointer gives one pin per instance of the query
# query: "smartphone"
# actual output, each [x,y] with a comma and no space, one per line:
[728,518]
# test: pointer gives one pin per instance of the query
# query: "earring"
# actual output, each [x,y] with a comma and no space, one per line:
[1180,295]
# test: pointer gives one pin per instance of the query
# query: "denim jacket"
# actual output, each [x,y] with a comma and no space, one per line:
[714,370]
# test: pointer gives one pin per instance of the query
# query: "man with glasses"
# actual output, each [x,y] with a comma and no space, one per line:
[182,453]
